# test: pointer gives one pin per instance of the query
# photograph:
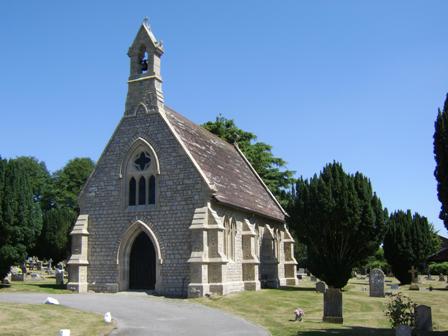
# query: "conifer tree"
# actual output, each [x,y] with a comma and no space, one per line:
[408,242]
[341,221]
[21,216]
[441,157]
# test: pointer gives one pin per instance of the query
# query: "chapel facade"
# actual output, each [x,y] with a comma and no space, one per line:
[172,208]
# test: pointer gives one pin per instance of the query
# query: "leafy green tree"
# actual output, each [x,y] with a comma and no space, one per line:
[408,242]
[69,181]
[21,221]
[270,168]
[63,209]
[378,261]
[340,220]
[441,157]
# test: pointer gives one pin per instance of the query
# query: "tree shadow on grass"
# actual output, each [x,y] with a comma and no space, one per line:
[360,331]
[48,286]
[296,289]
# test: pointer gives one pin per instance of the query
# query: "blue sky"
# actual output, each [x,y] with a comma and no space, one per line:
[354,81]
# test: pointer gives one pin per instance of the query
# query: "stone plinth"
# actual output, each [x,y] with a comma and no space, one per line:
[78,263]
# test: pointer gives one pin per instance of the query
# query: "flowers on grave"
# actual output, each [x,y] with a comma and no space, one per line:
[401,310]
[299,313]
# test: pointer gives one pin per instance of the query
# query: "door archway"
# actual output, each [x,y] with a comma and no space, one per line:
[129,241]
[142,263]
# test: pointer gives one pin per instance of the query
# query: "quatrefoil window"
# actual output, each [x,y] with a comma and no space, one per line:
[142,161]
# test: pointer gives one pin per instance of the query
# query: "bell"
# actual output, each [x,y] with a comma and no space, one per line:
[144,64]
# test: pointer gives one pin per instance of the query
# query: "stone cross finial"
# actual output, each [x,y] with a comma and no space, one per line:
[146,22]
[413,271]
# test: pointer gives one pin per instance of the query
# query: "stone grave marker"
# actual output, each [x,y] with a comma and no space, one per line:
[59,274]
[333,306]
[301,271]
[376,283]
[413,285]
[423,318]
[321,287]
[441,277]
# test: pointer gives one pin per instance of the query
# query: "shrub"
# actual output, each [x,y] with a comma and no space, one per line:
[438,268]
[401,310]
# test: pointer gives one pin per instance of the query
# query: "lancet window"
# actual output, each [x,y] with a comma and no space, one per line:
[141,180]
[229,237]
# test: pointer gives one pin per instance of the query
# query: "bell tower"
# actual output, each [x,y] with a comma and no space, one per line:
[145,82]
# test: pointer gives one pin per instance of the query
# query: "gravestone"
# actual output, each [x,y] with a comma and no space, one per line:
[301,271]
[441,277]
[333,306]
[403,330]
[59,274]
[18,277]
[321,287]
[423,318]
[23,268]
[414,280]
[376,283]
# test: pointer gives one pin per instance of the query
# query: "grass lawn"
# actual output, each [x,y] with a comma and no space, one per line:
[363,315]
[44,320]
[47,285]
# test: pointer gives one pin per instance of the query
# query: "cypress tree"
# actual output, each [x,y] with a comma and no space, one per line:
[340,220]
[441,157]
[408,242]
[21,216]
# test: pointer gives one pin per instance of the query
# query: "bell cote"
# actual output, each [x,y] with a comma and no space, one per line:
[145,93]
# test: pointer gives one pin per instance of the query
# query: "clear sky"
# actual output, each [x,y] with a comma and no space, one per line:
[354,81]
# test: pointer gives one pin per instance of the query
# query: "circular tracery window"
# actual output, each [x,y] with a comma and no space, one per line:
[142,161]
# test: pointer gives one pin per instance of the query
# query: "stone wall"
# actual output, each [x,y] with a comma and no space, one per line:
[180,191]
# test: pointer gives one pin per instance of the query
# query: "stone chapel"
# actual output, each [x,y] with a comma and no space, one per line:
[172,208]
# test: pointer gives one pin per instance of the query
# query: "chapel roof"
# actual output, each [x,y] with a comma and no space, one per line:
[226,168]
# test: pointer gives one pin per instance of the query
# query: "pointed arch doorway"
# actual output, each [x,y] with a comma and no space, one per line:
[142,263]
[139,259]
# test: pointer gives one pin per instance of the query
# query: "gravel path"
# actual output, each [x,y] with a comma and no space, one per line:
[139,314]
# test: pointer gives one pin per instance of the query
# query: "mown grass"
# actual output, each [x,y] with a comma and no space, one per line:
[43,320]
[47,285]
[363,315]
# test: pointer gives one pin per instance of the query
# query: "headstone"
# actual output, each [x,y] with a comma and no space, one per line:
[23,268]
[423,318]
[59,274]
[441,277]
[18,277]
[39,265]
[36,276]
[49,265]
[403,330]
[376,283]
[108,317]
[333,306]
[413,272]
[301,271]
[321,287]
[313,278]
[394,287]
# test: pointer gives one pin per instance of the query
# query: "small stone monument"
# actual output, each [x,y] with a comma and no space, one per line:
[376,283]
[59,274]
[413,285]
[333,305]
[441,277]
[423,318]
[321,287]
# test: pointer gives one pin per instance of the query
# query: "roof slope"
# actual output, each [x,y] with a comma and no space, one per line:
[225,168]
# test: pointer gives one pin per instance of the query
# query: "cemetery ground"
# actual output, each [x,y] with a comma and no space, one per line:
[363,315]
[271,308]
